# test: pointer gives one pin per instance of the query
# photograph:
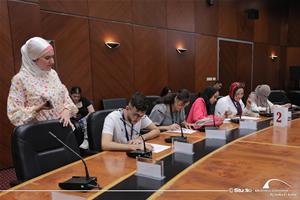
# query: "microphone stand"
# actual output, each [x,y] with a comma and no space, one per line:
[139,152]
[181,138]
[77,182]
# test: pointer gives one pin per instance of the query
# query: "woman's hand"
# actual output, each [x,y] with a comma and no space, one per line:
[44,106]
[248,104]
[188,125]
[173,127]
[65,117]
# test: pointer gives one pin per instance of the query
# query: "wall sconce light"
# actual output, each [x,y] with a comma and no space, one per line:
[273,57]
[112,45]
[181,50]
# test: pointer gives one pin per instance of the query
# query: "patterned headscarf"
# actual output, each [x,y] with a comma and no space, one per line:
[33,49]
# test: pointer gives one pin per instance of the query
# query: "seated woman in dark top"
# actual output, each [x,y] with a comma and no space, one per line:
[85,108]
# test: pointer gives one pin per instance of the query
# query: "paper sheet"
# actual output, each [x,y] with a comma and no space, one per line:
[184,130]
[243,117]
[158,148]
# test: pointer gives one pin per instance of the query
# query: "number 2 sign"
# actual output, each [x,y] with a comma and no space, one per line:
[280,116]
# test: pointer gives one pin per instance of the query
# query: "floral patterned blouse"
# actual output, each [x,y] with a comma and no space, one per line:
[27,91]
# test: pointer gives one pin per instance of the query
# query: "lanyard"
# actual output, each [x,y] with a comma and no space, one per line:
[126,132]
[237,105]
[171,113]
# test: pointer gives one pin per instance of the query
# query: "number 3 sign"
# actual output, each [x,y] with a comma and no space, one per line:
[280,116]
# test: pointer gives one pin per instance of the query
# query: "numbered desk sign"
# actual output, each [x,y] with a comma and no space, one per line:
[280,116]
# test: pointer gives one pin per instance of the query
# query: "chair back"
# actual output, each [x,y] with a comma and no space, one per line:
[95,123]
[35,151]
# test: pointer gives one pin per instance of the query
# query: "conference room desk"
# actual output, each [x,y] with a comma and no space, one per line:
[246,162]
[240,170]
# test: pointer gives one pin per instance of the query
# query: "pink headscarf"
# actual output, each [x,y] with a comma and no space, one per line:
[33,49]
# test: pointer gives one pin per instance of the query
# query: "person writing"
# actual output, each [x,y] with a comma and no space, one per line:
[232,104]
[36,92]
[121,127]
[259,99]
[203,109]
[169,113]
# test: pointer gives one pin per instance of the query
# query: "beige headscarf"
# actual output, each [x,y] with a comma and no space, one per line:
[260,95]
[33,49]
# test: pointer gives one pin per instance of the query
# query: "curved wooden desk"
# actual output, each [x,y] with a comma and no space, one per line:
[231,166]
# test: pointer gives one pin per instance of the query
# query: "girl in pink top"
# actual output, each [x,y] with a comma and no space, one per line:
[203,108]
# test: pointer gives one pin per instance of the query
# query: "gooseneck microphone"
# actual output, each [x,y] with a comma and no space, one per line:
[77,182]
[139,152]
[170,139]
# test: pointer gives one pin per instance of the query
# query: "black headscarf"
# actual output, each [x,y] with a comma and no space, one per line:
[206,95]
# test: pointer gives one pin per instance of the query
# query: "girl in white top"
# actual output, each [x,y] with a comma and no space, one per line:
[232,104]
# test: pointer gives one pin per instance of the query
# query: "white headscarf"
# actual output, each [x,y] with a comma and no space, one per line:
[33,49]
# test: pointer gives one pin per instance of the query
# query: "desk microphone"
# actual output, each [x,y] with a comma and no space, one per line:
[77,182]
[181,138]
[138,153]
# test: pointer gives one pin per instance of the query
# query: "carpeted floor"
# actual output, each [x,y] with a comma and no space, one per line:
[6,176]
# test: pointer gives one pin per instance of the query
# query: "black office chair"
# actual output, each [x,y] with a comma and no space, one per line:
[35,151]
[95,123]
[294,96]
[114,103]
[151,100]
[278,97]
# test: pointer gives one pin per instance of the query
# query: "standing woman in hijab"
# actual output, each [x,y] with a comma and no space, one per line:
[36,92]
[203,108]
[259,99]
[232,104]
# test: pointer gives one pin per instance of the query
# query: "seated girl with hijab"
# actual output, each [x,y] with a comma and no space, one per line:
[232,104]
[259,99]
[36,92]
[203,109]
[169,113]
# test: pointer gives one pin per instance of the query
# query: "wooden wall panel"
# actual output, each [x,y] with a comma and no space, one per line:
[267,28]
[71,35]
[235,65]
[205,61]
[113,73]
[119,10]
[181,66]
[149,12]
[206,17]
[265,70]
[181,15]
[24,24]
[7,72]
[293,56]
[228,19]
[294,24]
[245,26]
[79,7]
[244,66]
[149,61]
[227,64]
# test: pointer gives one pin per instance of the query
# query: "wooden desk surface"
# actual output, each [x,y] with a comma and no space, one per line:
[114,167]
[247,163]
